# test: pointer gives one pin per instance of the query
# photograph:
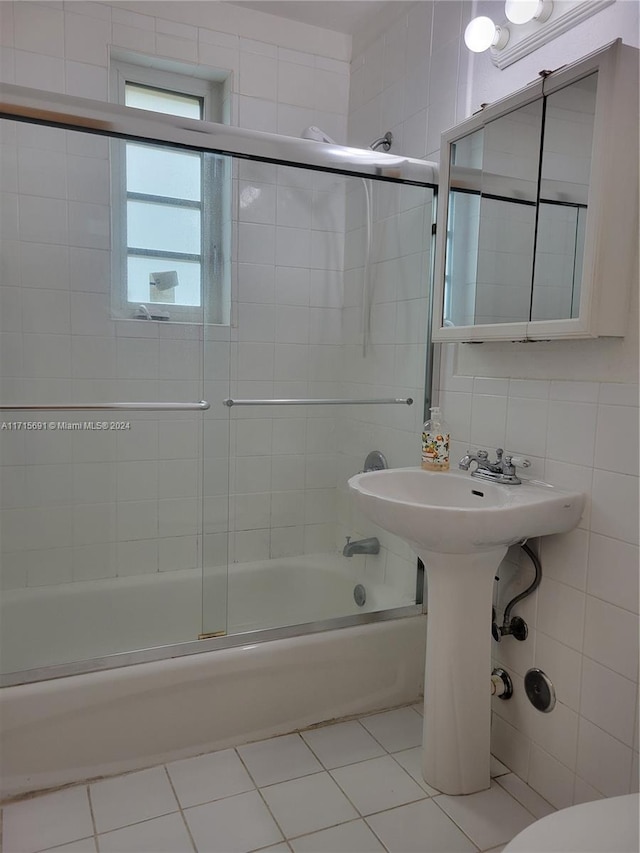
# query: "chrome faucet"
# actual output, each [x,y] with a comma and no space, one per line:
[361,546]
[503,470]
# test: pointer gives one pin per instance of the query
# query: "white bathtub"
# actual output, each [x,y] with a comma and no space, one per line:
[100,723]
[49,625]
[72,728]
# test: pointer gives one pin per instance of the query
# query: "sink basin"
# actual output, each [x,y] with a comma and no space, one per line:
[460,527]
[455,513]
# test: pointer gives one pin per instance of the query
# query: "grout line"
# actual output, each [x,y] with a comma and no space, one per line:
[93,819]
[180,809]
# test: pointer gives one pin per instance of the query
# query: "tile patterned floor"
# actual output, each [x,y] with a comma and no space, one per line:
[349,787]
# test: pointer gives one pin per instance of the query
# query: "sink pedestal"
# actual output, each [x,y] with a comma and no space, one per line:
[457,698]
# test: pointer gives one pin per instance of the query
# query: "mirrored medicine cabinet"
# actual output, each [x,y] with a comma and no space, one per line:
[537,229]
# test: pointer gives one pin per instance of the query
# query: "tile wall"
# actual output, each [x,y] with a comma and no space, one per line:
[570,407]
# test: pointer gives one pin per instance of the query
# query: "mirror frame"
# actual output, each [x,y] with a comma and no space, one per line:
[610,255]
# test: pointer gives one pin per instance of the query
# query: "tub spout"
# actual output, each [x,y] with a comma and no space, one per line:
[361,546]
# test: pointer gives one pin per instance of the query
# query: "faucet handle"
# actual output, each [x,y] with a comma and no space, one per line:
[482,454]
[512,461]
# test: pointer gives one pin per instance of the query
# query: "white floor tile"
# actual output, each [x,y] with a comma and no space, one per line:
[308,804]
[166,834]
[132,798]
[279,759]
[377,784]
[395,730]
[419,826]
[46,821]
[489,817]
[233,825]
[526,796]
[209,777]
[411,760]
[356,837]
[342,743]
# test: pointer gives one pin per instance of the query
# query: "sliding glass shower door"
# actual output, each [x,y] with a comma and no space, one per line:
[103,495]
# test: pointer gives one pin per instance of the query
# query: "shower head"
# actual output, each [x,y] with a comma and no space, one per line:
[383,142]
[317,135]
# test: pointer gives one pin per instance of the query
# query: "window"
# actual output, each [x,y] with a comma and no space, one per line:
[168,208]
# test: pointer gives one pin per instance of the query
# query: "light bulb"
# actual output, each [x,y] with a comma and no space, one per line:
[523,11]
[481,34]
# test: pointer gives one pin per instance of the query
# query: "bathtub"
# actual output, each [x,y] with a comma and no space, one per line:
[88,620]
[170,702]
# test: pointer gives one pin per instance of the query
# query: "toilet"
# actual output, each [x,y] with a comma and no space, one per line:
[604,826]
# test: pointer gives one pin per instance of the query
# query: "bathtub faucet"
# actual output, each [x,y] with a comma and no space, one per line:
[361,546]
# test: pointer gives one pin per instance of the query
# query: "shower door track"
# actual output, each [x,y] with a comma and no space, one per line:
[247,638]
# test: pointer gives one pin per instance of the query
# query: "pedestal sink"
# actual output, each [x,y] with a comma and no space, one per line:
[460,527]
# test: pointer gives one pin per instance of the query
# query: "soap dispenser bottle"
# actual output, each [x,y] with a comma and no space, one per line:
[435,442]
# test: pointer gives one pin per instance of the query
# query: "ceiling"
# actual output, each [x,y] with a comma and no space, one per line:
[344,16]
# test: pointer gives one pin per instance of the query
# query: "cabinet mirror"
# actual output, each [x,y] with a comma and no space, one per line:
[528,181]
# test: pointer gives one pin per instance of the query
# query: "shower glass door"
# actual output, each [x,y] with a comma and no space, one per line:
[103,531]
[304,243]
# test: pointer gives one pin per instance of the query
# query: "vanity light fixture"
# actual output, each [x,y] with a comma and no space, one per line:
[523,11]
[527,26]
[481,34]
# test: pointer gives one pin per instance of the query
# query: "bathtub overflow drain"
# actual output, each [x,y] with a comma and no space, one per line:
[359,594]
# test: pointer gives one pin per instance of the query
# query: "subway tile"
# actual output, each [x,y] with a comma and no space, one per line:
[258,76]
[86,81]
[39,28]
[603,761]
[43,220]
[86,38]
[616,446]
[550,778]
[613,571]
[577,392]
[39,71]
[133,38]
[611,637]
[132,19]
[560,612]
[618,394]
[527,425]
[599,686]
[571,431]
[564,557]
[615,505]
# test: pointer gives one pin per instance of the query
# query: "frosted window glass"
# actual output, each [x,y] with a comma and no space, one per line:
[158,101]
[161,171]
[186,293]
[163,226]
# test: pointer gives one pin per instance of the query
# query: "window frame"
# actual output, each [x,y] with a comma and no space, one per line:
[211,308]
